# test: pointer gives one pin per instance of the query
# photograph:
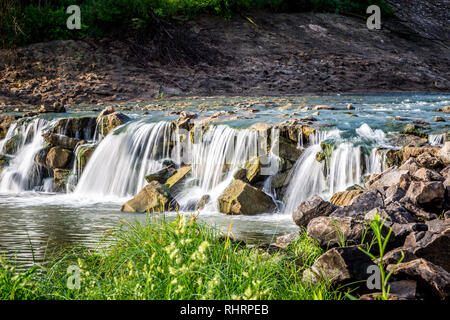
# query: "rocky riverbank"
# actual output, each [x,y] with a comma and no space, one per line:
[413,200]
[265,55]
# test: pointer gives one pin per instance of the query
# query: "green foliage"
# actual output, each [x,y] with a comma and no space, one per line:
[174,260]
[27,21]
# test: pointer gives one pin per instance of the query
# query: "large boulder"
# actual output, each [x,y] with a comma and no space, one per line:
[154,198]
[55,139]
[429,161]
[339,266]
[241,198]
[288,150]
[332,231]
[425,174]
[345,198]
[58,157]
[428,195]
[310,209]
[432,279]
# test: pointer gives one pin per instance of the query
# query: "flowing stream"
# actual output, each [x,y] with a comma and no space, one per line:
[34,219]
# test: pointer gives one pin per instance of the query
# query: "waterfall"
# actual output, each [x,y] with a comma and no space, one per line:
[215,158]
[22,173]
[436,139]
[122,159]
[341,169]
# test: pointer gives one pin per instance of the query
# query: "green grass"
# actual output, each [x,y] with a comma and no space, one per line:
[183,259]
[27,21]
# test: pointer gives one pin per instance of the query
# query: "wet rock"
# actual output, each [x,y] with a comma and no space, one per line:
[433,279]
[339,266]
[312,208]
[175,180]
[402,140]
[331,231]
[253,170]
[154,198]
[241,198]
[5,122]
[60,177]
[107,110]
[109,122]
[58,157]
[84,153]
[54,139]
[288,150]
[12,145]
[414,130]
[345,198]
[79,128]
[203,202]
[428,195]
[41,157]
[161,175]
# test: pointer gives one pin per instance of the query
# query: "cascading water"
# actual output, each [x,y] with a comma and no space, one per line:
[436,139]
[121,161]
[22,173]
[340,169]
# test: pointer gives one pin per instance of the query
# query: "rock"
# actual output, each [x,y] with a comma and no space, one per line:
[58,157]
[446,109]
[54,139]
[107,110]
[393,194]
[418,213]
[241,198]
[154,198]
[411,165]
[350,107]
[428,195]
[425,174]
[339,266]
[394,256]
[402,140]
[56,107]
[433,279]
[12,145]
[253,170]
[432,246]
[83,154]
[78,128]
[409,152]
[345,198]
[108,122]
[438,119]
[332,231]
[5,122]
[414,130]
[428,161]
[161,175]
[387,178]
[203,202]
[60,177]
[41,157]
[444,154]
[288,150]
[312,208]
[362,204]
[286,240]
[178,177]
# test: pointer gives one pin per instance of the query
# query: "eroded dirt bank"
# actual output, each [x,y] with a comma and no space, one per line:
[271,54]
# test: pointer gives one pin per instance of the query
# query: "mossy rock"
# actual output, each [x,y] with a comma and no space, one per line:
[60,178]
[414,130]
[12,145]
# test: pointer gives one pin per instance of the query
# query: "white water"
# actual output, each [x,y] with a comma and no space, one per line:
[121,161]
[22,173]
[436,139]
